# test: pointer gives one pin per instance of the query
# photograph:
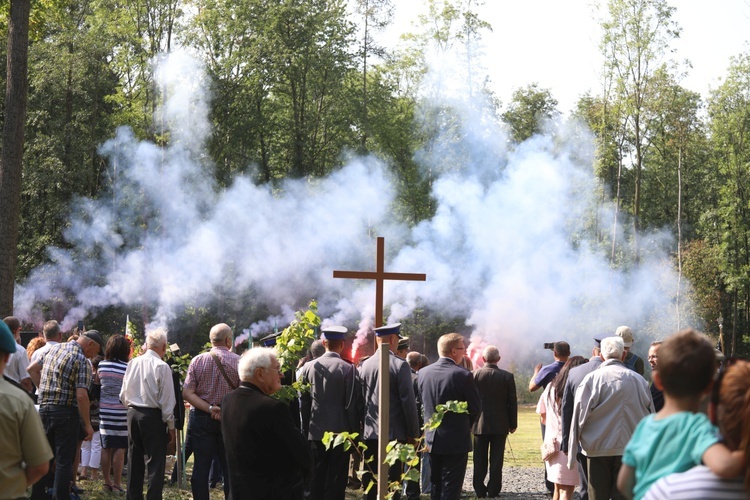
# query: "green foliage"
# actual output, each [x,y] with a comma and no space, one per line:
[291,345]
[406,453]
[529,110]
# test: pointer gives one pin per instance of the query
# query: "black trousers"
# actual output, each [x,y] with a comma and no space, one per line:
[448,471]
[492,446]
[147,446]
[603,478]
[330,472]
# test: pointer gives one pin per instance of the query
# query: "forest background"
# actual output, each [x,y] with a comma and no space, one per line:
[299,87]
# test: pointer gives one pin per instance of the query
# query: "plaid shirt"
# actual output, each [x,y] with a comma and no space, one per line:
[64,369]
[205,378]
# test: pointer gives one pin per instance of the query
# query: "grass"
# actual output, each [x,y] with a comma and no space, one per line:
[521,450]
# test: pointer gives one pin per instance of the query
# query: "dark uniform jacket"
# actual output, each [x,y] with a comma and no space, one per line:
[333,400]
[497,391]
[404,422]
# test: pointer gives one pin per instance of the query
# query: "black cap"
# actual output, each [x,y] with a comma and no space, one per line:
[403,343]
[96,337]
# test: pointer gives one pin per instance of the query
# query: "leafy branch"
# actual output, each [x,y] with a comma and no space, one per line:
[407,454]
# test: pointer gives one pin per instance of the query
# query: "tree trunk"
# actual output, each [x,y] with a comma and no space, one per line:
[11,159]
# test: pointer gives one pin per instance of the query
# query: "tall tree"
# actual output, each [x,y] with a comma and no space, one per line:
[11,159]
[636,42]
[729,114]
[375,16]
[530,108]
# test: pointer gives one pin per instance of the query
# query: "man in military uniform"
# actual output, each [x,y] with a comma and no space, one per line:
[332,405]
[404,422]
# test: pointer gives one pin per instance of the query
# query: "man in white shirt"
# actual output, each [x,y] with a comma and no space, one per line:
[52,335]
[19,361]
[148,392]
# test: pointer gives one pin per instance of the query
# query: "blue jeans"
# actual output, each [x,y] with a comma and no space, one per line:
[61,427]
[208,442]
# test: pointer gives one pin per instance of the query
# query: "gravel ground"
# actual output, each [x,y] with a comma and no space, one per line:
[518,482]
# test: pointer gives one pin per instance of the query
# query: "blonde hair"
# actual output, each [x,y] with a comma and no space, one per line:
[448,342]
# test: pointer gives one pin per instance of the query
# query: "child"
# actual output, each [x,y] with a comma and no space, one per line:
[677,438]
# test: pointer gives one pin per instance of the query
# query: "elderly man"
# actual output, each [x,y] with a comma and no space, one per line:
[653,359]
[267,455]
[148,392]
[25,451]
[404,422]
[608,405]
[499,416]
[332,405]
[449,445]
[632,360]
[19,361]
[210,376]
[63,375]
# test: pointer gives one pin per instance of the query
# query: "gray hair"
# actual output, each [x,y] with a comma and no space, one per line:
[156,338]
[317,349]
[252,359]
[491,354]
[613,348]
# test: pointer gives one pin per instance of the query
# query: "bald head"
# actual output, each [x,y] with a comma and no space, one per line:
[219,334]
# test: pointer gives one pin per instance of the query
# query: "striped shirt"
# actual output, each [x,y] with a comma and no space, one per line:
[205,378]
[112,413]
[64,369]
[698,482]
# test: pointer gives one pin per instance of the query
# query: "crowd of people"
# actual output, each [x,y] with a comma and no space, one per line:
[607,432]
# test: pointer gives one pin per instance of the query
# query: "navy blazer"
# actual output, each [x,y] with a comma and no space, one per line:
[445,381]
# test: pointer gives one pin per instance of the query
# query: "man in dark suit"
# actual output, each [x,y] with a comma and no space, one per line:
[404,422]
[267,455]
[499,416]
[332,405]
[575,377]
[450,443]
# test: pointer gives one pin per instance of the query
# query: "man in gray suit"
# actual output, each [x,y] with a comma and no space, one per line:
[332,405]
[404,422]
[499,416]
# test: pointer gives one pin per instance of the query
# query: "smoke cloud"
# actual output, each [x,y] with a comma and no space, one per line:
[514,245]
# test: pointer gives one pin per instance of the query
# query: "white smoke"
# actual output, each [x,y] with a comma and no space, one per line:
[511,246]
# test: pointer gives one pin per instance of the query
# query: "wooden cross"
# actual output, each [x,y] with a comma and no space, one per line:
[379,276]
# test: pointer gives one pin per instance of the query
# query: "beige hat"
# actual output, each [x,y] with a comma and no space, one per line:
[627,335]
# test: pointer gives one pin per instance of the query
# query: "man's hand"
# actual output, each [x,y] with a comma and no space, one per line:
[172,436]
[537,368]
[216,412]
[512,430]
[89,432]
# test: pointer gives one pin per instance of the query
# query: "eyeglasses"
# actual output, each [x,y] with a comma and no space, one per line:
[277,370]
[460,348]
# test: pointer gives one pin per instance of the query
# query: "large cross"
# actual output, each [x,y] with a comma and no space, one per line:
[384,357]
[379,276]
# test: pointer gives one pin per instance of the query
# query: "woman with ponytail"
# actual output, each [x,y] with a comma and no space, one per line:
[729,409]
